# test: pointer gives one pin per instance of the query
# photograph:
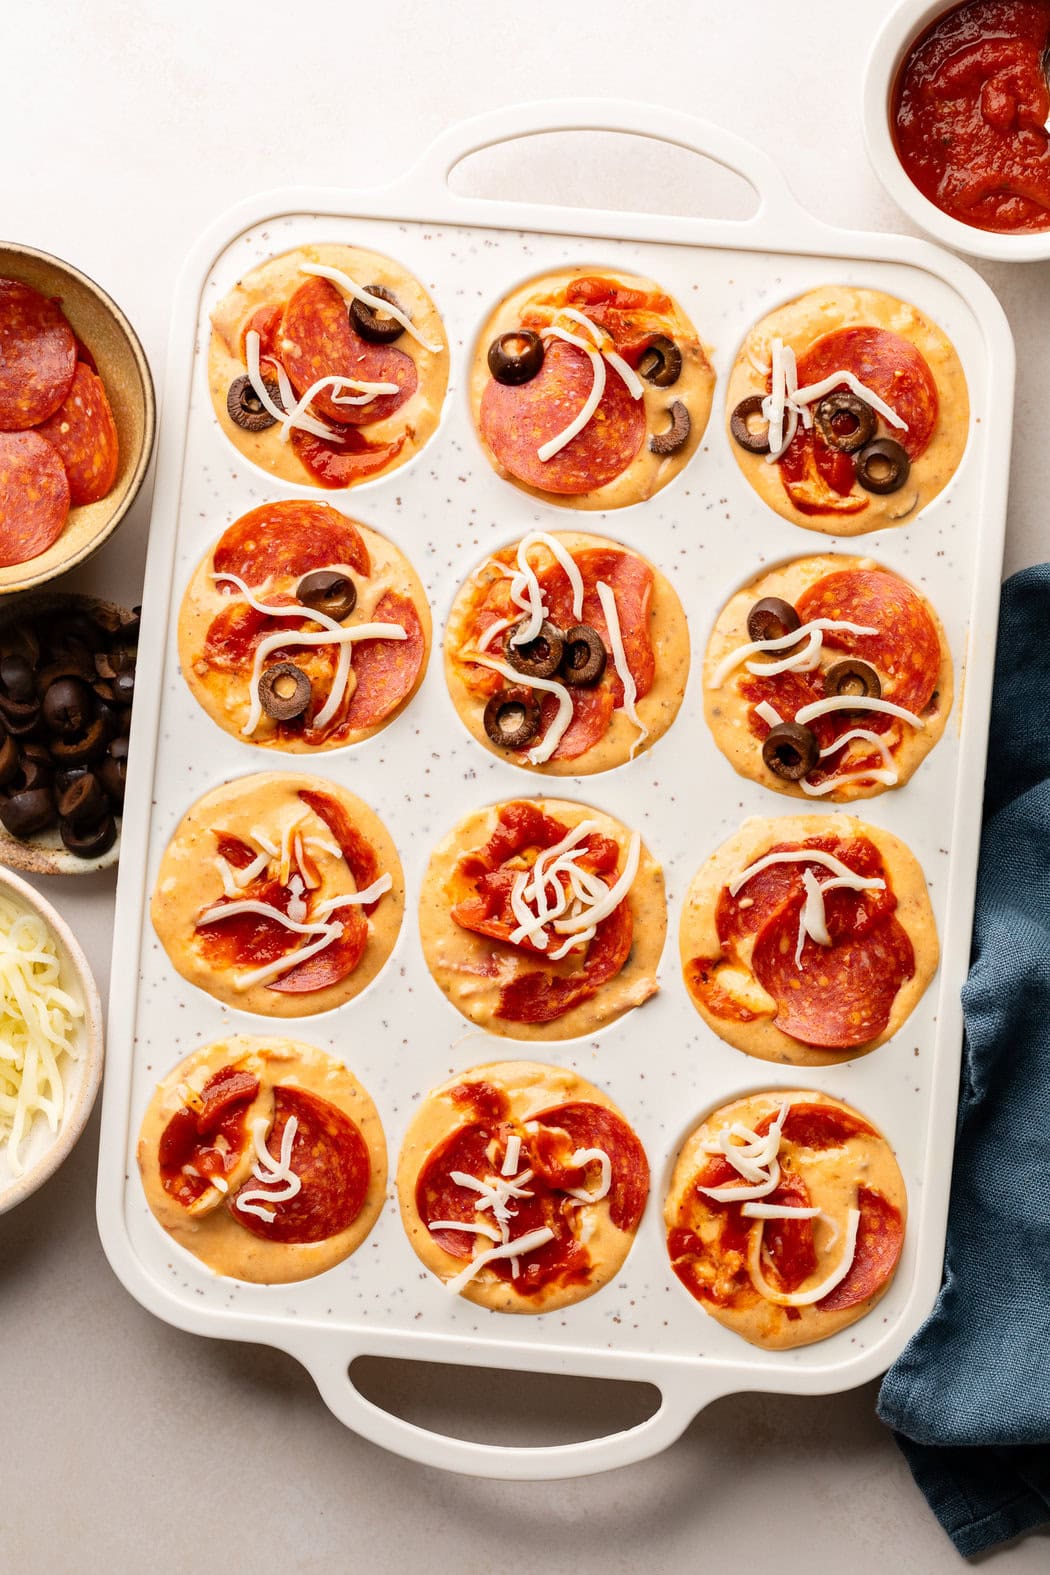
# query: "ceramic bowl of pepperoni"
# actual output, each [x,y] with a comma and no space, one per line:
[956,117]
[77,417]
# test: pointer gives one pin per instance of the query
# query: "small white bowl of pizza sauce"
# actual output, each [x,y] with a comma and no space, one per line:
[956,111]
[49,1075]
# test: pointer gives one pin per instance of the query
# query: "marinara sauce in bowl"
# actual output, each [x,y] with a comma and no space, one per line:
[956,111]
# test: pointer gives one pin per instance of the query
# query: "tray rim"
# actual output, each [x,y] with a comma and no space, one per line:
[778,226]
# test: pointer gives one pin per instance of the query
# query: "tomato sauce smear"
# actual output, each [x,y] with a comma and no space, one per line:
[969,113]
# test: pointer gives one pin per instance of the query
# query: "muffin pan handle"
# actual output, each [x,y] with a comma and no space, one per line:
[776,205]
[681,1397]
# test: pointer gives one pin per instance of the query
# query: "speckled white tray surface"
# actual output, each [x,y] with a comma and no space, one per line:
[662,1065]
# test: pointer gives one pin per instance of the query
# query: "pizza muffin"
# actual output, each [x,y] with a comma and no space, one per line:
[279,894]
[590,389]
[542,919]
[264,1158]
[785,1217]
[521,1186]
[567,654]
[303,630]
[809,939]
[829,677]
[847,410]
[328,365]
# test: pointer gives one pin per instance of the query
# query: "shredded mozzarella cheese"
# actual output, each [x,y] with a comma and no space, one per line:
[555,444]
[38,1024]
[385,308]
[820,626]
[554,734]
[817,1292]
[612,618]
[810,713]
[271,1172]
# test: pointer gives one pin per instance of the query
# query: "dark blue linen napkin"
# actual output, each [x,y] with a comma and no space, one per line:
[969,1398]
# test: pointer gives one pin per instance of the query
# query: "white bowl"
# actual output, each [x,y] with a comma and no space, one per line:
[43,1150]
[895,38]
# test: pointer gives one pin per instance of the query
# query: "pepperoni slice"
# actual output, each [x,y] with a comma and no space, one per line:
[84,432]
[789,1243]
[631,580]
[906,651]
[248,940]
[208,1143]
[517,421]
[520,825]
[317,340]
[386,670]
[880,1238]
[361,858]
[330,1157]
[842,994]
[34,497]
[224,1092]
[289,538]
[819,1126]
[438,1197]
[38,356]
[592,711]
[768,893]
[336,961]
[819,479]
[234,851]
[536,996]
[891,366]
[594,1126]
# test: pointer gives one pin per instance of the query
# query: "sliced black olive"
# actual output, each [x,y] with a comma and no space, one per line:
[83,803]
[749,426]
[883,466]
[538,658]
[8,760]
[82,629]
[512,718]
[584,657]
[516,357]
[67,777]
[74,663]
[26,813]
[20,717]
[845,422]
[284,691]
[771,619]
[328,592]
[790,750]
[661,362]
[79,751]
[376,327]
[16,675]
[113,770]
[124,687]
[851,676]
[677,434]
[246,409]
[89,842]
[35,768]
[69,707]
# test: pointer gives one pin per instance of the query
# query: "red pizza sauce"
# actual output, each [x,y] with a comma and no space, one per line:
[970,106]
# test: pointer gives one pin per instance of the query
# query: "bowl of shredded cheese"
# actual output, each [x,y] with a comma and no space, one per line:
[51,1040]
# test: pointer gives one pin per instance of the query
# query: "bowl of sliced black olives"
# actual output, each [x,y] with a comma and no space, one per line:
[67,681]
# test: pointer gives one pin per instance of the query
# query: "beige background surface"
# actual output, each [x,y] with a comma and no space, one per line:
[127,126]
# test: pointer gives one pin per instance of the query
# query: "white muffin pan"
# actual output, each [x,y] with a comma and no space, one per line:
[710,534]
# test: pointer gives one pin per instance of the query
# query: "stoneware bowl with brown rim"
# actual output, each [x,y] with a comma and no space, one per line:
[45,853]
[43,1150]
[101,325]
